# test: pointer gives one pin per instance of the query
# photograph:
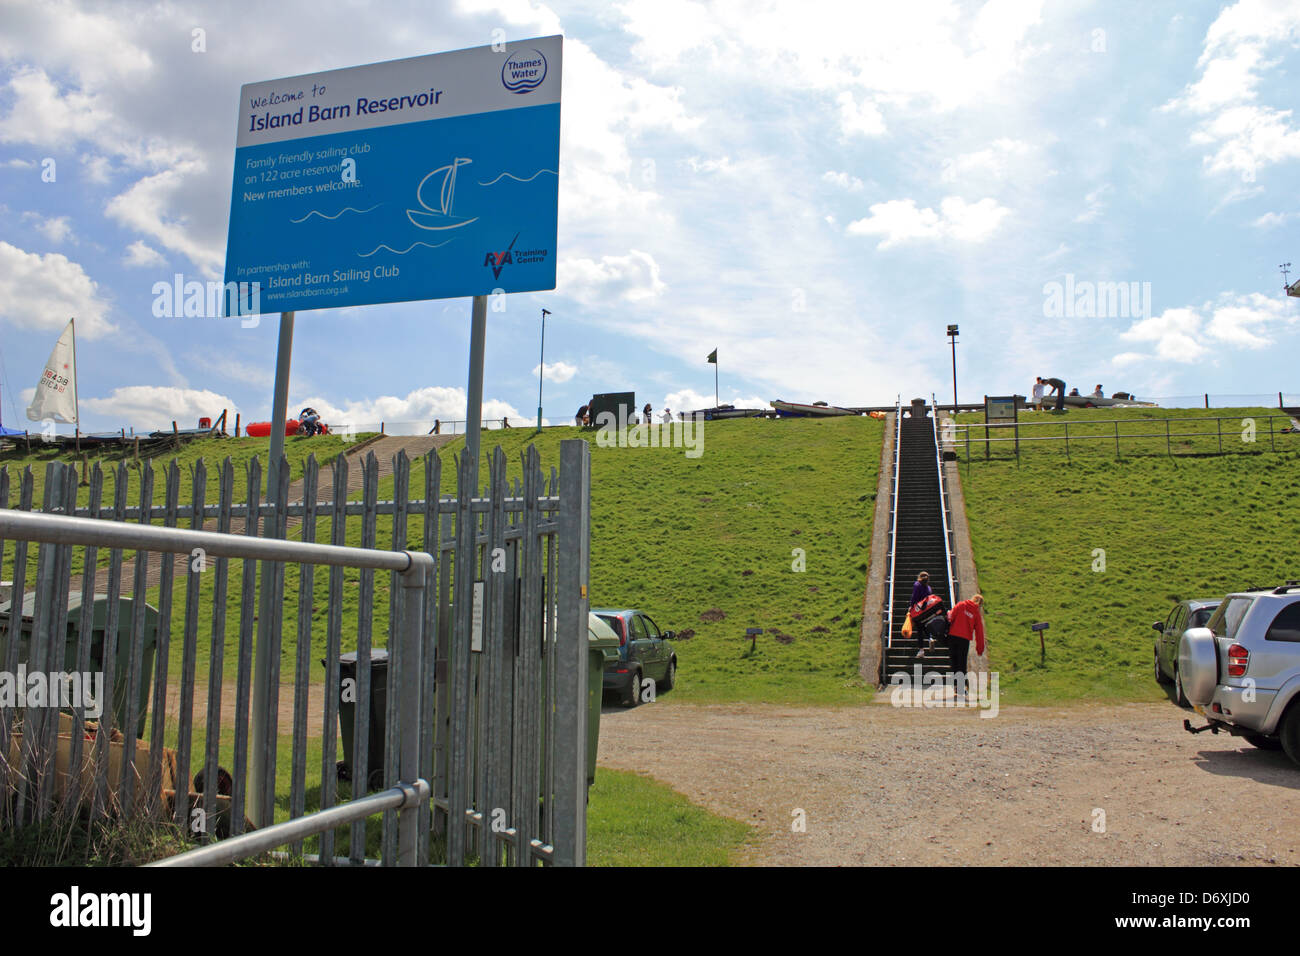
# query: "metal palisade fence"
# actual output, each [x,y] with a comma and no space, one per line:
[483,612]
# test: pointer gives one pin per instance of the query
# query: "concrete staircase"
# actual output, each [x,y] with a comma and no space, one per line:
[919,542]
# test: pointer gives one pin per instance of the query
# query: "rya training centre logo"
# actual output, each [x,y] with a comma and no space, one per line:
[523,71]
[497,261]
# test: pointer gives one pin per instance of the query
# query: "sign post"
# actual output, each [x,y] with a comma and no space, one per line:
[423,178]
[1040,627]
[1001,409]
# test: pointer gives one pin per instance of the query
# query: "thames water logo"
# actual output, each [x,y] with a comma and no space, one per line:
[523,71]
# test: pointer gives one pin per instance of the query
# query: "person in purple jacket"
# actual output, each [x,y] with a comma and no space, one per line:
[921,589]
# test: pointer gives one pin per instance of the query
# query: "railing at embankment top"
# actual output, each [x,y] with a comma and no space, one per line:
[1168,435]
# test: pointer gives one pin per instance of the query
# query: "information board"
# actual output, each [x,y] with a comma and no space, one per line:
[424,178]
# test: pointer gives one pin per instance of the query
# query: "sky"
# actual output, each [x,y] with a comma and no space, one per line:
[815,189]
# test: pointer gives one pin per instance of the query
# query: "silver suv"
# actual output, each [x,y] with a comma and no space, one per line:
[1241,672]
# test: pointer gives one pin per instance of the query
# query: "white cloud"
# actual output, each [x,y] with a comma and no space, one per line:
[1242,134]
[698,165]
[151,407]
[1175,333]
[414,413]
[140,253]
[44,291]
[1094,203]
[40,116]
[1271,220]
[859,119]
[900,220]
[1191,333]
[20,163]
[995,161]
[843,181]
[98,168]
[925,53]
[54,228]
[146,207]
[632,278]
[605,113]
[689,400]
[1246,322]
[558,372]
[1125,359]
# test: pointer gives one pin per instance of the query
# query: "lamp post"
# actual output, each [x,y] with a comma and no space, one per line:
[541,369]
[952,335]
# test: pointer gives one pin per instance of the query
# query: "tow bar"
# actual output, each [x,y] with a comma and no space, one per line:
[1211,727]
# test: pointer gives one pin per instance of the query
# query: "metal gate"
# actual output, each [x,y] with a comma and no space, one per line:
[487,590]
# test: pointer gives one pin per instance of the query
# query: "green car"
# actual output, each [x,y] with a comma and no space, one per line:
[646,664]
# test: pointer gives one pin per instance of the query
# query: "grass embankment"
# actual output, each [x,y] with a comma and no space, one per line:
[1100,547]
[708,544]
[704,545]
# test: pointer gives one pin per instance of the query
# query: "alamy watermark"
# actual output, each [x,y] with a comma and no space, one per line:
[41,689]
[1096,300]
[686,433]
[207,300]
[933,689]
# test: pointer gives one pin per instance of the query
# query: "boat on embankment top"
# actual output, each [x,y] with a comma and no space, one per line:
[815,410]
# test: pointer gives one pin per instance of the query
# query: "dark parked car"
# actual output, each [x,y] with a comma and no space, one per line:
[1169,633]
[644,653]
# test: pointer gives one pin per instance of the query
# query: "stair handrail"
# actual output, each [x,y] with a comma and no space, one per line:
[953,590]
[893,528]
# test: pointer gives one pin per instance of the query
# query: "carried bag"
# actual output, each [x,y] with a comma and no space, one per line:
[927,607]
[907,626]
[936,628]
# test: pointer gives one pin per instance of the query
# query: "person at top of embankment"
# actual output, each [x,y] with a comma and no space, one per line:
[1058,389]
[965,621]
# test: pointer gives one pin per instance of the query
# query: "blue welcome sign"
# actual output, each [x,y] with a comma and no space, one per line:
[426,178]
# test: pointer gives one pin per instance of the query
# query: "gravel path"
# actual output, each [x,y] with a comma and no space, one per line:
[880,785]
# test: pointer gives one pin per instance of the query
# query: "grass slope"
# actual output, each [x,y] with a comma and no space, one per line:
[678,537]
[1188,526]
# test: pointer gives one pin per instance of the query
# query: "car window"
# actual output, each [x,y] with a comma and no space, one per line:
[1173,616]
[1200,616]
[638,628]
[1228,617]
[614,621]
[1286,626]
[650,627]
[1180,619]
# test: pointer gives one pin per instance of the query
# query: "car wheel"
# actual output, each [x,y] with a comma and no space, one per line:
[670,676]
[633,690]
[1289,732]
[1179,696]
[1262,742]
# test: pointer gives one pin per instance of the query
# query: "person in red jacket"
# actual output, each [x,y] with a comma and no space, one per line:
[965,621]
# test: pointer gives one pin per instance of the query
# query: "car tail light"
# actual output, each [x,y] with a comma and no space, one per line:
[1238,658]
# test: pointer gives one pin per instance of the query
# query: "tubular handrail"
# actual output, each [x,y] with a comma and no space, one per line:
[943,502]
[893,523]
[404,796]
[65,529]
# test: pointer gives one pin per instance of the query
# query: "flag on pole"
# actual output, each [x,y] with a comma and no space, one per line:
[713,357]
[56,392]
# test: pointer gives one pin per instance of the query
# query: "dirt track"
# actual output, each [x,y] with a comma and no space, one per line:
[881,785]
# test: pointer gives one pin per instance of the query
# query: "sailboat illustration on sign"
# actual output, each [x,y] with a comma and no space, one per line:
[440,216]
